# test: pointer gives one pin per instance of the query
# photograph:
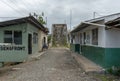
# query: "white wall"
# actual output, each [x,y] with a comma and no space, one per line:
[101,37]
[40,39]
[113,38]
[88,30]
[106,38]
[77,37]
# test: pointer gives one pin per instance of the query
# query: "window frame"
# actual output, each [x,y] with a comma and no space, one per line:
[5,37]
[35,38]
[13,37]
[84,37]
[95,36]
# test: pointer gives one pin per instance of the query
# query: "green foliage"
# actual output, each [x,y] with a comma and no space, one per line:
[104,77]
[62,44]
[41,20]
[49,38]
[114,71]
[53,43]
[65,42]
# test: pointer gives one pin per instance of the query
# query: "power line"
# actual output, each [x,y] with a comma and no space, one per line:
[18,5]
[11,7]
[11,17]
[35,8]
[29,5]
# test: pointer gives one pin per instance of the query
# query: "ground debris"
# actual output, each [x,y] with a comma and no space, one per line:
[54,65]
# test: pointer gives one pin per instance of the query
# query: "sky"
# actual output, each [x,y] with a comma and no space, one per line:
[58,11]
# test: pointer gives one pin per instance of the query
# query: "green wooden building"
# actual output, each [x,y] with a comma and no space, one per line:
[19,38]
[98,41]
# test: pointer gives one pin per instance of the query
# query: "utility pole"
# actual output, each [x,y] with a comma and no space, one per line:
[46,21]
[70,19]
[94,14]
[70,24]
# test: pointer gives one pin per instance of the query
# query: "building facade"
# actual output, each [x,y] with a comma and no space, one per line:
[19,38]
[59,34]
[98,42]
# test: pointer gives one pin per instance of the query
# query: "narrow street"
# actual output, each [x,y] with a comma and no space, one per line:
[55,65]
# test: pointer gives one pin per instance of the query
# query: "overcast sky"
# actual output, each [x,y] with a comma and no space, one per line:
[58,11]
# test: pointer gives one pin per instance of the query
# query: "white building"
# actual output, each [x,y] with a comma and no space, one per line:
[97,41]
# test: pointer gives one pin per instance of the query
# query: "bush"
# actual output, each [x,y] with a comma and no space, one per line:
[114,71]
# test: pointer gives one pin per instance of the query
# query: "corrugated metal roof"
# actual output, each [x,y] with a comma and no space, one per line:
[80,26]
[113,22]
[29,19]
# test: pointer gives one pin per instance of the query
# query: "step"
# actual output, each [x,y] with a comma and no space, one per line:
[86,64]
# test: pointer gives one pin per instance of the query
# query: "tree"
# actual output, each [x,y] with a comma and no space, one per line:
[49,38]
[41,20]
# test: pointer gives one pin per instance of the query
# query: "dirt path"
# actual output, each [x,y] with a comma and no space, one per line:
[54,65]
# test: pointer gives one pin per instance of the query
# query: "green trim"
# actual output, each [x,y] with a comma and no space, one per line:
[105,57]
[112,57]
[96,54]
[77,48]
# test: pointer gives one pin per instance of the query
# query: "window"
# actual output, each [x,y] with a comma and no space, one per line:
[84,40]
[35,38]
[80,38]
[13,37]
[8,37]
[17,37]
[95,36]
[72,38]
[87,38]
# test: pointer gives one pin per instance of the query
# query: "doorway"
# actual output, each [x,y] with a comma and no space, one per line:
[44,40]
[29,43]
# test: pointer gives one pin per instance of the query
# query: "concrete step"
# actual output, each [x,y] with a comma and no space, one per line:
[86,64]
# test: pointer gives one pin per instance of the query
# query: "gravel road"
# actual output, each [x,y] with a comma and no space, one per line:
[54,65]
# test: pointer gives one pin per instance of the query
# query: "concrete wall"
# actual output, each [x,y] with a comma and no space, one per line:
[20,55]
[59,34]
[30,30]
[105,57]
[113,38]
[77,38]
[38,46]
[101,36]
[88,31]
[107,52]
[41,38]
[14,55]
